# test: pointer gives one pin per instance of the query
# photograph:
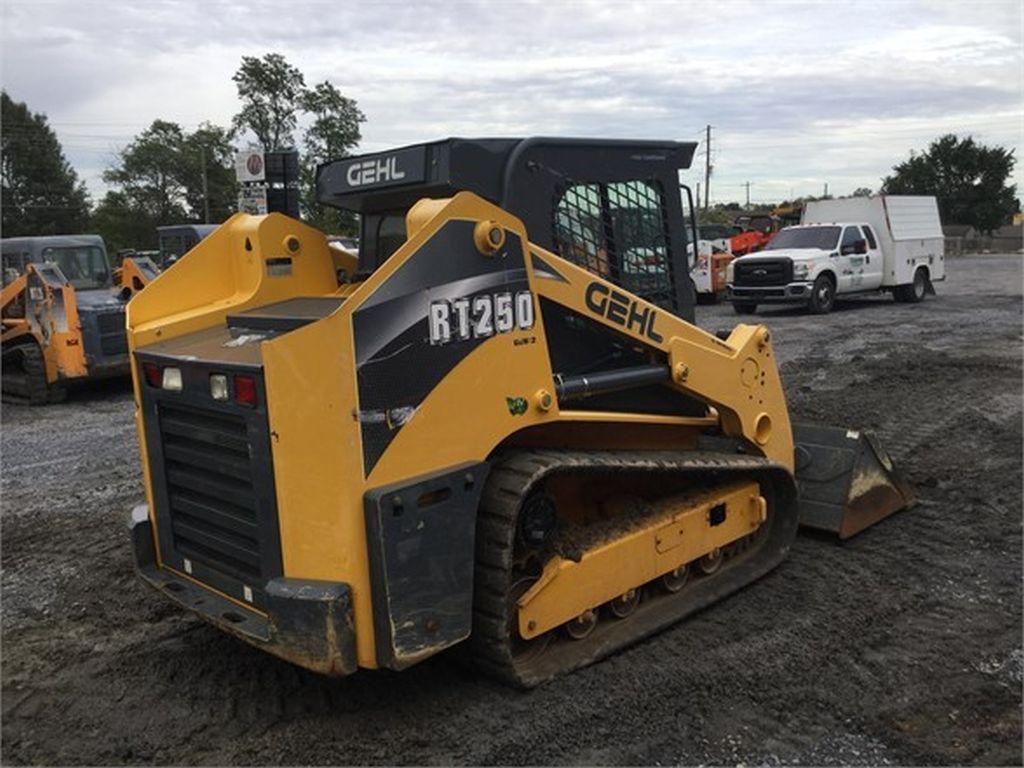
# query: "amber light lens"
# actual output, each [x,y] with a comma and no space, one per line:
[154,376]
[245,390]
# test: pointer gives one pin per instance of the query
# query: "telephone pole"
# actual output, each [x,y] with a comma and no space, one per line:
[747,185]
[206,195]
[826,189]
[707,168]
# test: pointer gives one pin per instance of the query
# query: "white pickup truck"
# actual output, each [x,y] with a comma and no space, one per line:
[853,245]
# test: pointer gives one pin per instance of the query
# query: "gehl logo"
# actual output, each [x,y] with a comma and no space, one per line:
[480,316]
[618,308]
[374,172]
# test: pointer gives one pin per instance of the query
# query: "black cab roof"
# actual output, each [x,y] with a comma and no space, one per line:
[505,171]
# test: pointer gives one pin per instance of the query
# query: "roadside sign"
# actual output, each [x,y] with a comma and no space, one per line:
[249,166]
[252,199]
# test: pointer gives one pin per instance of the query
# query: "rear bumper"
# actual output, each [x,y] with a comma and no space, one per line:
[308,623]
[791,293]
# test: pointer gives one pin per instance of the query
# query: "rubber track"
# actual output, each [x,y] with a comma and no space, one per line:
[32,378]
[511,480]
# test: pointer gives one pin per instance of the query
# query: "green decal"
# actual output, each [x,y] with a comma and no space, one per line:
[516,405]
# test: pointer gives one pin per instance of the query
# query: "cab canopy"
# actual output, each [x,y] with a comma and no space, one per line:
[612,206]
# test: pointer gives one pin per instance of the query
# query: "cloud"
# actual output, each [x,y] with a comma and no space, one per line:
[798,93]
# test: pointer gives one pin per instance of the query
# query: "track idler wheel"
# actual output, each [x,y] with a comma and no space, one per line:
[624,605]
[711,562]
[674,581]
[580,627]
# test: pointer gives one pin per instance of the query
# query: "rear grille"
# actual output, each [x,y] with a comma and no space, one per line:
[113,338]
[212,502]
[763,272]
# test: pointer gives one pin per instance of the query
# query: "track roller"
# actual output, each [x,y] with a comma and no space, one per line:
[581,627]
[623,606]
[673,581]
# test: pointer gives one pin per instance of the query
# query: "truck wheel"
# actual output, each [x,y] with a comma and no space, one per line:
[913,292]
[823,296]
[744,308]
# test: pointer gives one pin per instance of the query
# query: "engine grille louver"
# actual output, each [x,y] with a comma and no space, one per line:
[212,501]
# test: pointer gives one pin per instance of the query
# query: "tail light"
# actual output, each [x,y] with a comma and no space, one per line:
[245,390]
[154,376]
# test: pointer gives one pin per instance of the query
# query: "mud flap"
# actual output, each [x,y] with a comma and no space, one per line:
[846,480]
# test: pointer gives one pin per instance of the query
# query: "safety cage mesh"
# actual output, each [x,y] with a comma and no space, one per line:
[619,231]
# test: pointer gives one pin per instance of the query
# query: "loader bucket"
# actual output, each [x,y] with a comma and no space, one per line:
[847,481]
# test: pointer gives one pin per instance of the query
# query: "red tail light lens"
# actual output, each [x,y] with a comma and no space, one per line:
[245,390]
[154,376]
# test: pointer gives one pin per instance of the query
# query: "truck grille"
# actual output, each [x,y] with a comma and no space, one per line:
[113,337]
[763,272]
[212,502]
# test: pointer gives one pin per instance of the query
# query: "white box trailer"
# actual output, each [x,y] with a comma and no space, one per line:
[908,228]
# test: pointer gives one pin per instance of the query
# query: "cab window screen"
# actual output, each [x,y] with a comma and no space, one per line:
[619,231]
[870,236]
[84,266]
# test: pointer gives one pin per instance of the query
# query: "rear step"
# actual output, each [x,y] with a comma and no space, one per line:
[846,479]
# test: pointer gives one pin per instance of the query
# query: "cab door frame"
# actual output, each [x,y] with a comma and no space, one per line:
[874,261]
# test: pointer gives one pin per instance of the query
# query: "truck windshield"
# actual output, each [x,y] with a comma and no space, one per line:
[822,238]
[85,266]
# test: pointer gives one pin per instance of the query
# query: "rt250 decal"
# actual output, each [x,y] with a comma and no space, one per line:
[480,316]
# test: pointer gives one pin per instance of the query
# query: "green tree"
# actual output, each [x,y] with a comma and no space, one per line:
[333,133]
[968,178]
[150,173]
[273,95]
[122,224]
[270,90]
[40,193]
[862,192]
[158,180]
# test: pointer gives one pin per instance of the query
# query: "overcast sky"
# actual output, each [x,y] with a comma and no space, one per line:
[798,94]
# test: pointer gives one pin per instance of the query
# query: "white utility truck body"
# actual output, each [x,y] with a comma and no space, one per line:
[852,245]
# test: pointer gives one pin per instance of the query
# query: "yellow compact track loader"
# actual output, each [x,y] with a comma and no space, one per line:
[63,313]
[497,425]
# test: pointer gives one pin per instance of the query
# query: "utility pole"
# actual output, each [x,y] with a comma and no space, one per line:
[707,168]
[826,189]
[206,195]
[747,185]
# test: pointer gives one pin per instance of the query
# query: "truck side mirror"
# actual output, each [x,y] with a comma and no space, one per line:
[861,246]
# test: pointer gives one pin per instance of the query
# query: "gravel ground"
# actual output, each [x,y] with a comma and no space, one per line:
[902,645]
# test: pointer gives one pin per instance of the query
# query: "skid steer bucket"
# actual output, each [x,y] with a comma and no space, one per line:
[847,481]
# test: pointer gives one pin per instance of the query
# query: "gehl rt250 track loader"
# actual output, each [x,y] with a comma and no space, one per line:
[498,425]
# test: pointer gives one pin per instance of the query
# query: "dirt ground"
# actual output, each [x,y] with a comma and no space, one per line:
[901,646]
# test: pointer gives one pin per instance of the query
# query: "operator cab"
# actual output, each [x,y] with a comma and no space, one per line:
[611,206]
[81,259]
[178,239]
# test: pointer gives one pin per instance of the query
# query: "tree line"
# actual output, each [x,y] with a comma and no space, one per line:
[170,175]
